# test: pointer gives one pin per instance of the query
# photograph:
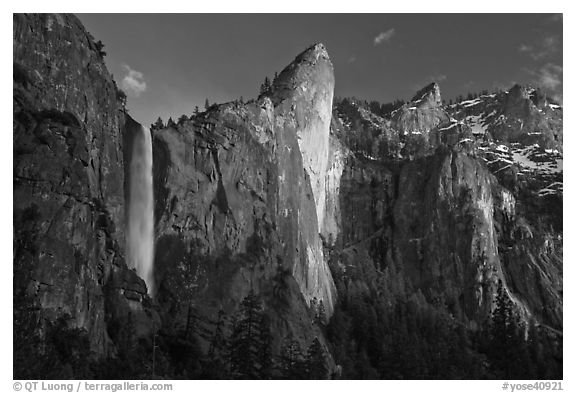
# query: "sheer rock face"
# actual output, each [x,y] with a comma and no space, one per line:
[522,115]
[236,200]
[530,248]
[62,70]
[302,95]
[415,119]
[429,97]
[234,210]
[242,193]
[331,224]
[448,223]
[445,219]
[428,226]
[422,114]
[306,88]
[68,177]
[527,117]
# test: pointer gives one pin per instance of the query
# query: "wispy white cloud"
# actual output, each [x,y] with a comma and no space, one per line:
[524,48]
[133,82]
[384,36]
[352,59]
[549,77]
[542,48]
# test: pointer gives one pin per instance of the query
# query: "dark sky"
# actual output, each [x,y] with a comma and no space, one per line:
[168,63]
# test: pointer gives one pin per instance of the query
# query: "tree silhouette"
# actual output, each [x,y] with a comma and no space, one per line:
[315,361]
[159,124]
[121,97]
[99,47]
[216,358]
[266,87]
[506,341]
[292,362]
[250,341]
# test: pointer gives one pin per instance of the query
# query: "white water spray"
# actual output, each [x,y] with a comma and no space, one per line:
[140,244]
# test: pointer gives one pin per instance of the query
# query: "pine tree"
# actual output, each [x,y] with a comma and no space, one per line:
[266,87]
[292,364]
[315,361]
[321,314]
[506,341]
[121,97]
[158,125]
[216,359]
[250,341]
[196,110]
[171,123]
[206,104]
[182,119]
[100,48]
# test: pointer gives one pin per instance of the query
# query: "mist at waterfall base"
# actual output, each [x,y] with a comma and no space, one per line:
[140,231]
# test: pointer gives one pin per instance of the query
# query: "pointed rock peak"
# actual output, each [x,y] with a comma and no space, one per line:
[519,95]
[527,91]
[310,68]
[428,97]
[313,53]
[518,91]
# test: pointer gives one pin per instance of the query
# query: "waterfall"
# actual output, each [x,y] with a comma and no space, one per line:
[140,243]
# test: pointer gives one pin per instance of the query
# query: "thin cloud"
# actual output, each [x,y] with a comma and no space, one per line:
[352,59]
[543,48]
[384,36]
[524,48]
[133,82]
[549,77]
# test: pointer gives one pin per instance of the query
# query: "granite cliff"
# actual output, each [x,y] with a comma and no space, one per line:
[68,182]
[385,243]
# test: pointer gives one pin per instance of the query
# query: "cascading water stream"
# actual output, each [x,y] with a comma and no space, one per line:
[140,239]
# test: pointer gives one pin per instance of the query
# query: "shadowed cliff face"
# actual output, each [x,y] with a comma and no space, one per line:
[441,226]
[237,202]
[444,230]
[62,70]
[456,213]
[68,182]
[302,96]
